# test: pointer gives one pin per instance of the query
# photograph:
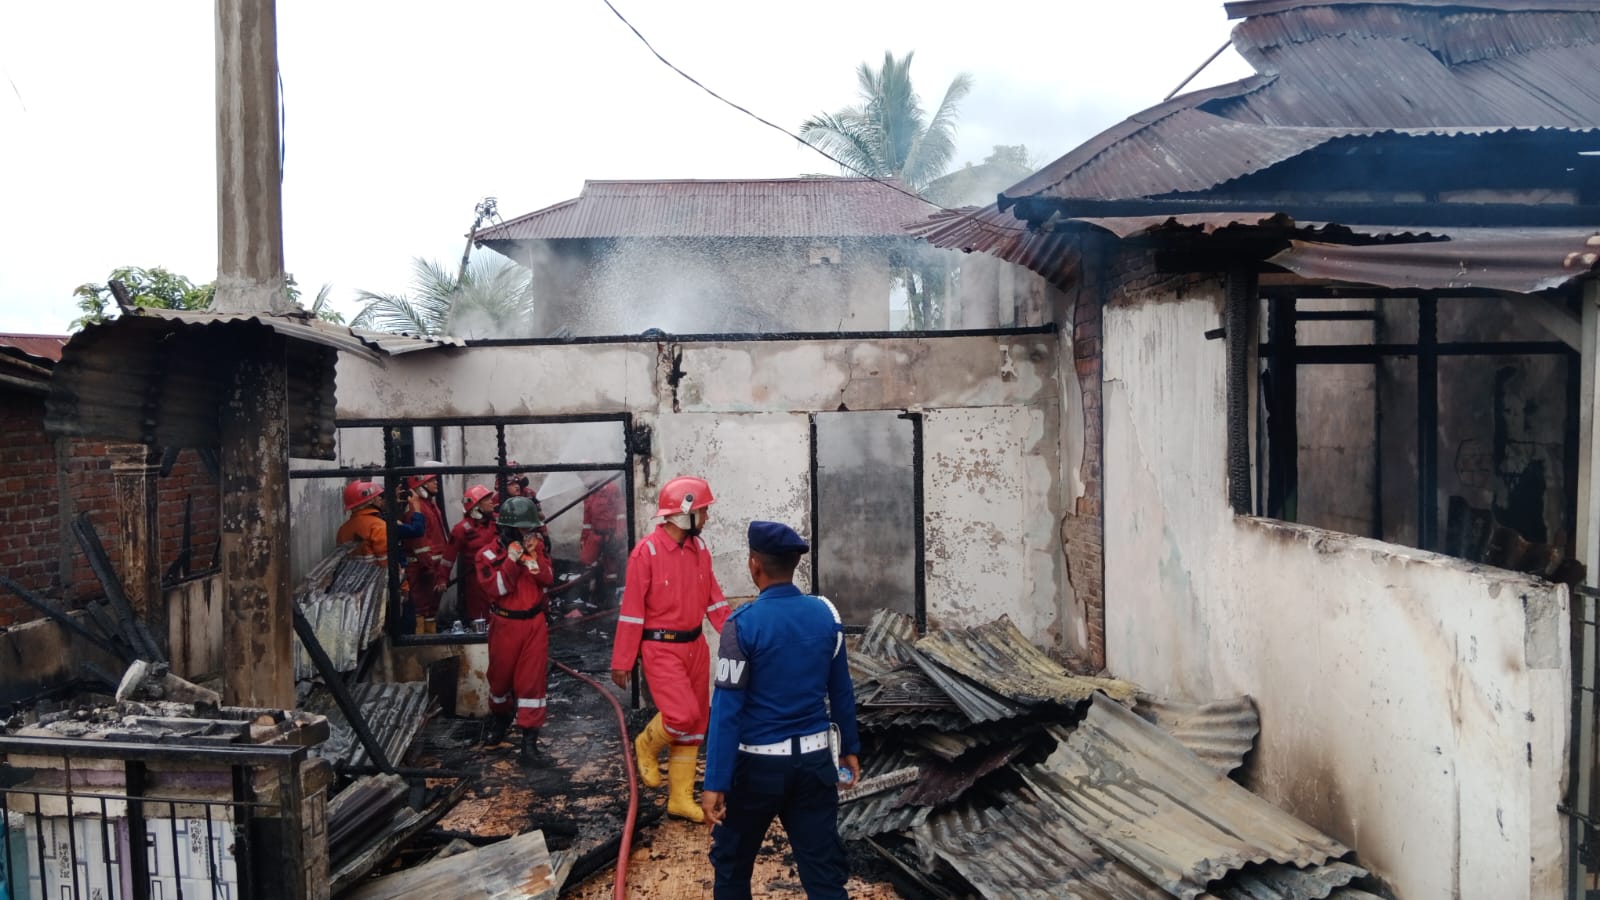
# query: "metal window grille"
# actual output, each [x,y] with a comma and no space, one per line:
[103,820]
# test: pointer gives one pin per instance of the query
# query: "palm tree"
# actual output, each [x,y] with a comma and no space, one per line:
[491,299]
[889,135]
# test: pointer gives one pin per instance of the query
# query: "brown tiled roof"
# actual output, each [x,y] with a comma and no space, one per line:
[767,208]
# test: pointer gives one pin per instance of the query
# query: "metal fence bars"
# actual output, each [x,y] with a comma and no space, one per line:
[105,820]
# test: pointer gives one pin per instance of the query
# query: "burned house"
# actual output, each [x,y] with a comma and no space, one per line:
[1334,329]
[776,255]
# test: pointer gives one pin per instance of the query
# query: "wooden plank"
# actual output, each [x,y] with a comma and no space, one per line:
[518,867]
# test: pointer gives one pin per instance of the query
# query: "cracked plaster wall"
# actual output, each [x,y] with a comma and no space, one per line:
[739,414]
[1413,706]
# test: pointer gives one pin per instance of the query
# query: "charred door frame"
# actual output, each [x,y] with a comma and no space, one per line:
[394,468]
[1278,433]
[919,599]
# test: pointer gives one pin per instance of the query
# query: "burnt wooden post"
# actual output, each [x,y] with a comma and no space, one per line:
[135,483]
[257,626]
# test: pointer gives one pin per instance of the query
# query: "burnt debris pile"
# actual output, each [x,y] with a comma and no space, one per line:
[990,770]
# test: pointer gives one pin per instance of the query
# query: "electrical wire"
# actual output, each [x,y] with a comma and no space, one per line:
[787,133]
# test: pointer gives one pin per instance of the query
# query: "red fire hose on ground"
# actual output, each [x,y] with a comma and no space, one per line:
[620,891]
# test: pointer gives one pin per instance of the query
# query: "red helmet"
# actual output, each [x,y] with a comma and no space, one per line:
[416,481]
[685,493]
[358,493]
[476,494]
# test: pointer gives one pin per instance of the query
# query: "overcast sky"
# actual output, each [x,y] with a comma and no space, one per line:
[402,115]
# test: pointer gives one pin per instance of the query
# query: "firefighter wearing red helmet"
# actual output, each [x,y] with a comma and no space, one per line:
[364,501]
[668,591]
[428,555]
[515,572]
[472,533]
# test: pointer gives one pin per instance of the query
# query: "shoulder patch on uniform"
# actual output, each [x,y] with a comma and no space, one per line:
[733,668]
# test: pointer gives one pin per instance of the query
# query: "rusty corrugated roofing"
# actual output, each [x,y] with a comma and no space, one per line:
[978,702]
[357,341]
[1220,732]
[40,346]
[1327,71]
[764,208]
[887,636]
[1145,799]
[1523,260]
[1021,847]
[1000,658]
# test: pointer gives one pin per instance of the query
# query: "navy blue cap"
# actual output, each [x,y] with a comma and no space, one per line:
[776,539]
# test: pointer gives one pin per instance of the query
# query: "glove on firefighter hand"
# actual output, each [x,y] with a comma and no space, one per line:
[514,550]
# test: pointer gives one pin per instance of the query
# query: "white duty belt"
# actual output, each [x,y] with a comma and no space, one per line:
[808,744]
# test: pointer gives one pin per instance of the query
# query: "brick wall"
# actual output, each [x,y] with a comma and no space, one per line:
[30,529]
[43,484]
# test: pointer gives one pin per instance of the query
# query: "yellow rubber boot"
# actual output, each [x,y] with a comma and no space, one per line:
[680,783]
[647,749]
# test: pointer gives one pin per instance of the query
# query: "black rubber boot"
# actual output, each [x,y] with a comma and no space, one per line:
[531,756]
[495,732]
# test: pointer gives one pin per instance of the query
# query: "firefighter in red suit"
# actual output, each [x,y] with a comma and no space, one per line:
[515,571]
[475,531]
[604,522]
[428,562]
[668,591]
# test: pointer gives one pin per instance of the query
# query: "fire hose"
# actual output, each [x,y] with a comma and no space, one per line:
[620,889]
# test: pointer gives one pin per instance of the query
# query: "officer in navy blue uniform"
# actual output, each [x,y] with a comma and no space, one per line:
[781,667]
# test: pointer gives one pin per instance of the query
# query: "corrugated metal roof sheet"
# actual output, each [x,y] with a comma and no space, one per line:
[979,703]
[395,712]
[988,230]
[40,346]
[1000,658]
[878,813]
[1142,797]
[359,342]
[1525,260]
[1220,732]
[1332,70]
[1023,848]
[766,208]
[887,635]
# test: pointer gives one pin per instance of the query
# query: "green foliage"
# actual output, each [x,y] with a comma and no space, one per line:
[154,287]
[493,299]
[888,134]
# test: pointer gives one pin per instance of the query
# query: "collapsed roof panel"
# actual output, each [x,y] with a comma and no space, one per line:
[1144,798]
[1000,658]
[1220,732]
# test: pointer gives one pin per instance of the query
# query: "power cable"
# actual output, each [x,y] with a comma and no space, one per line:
[787,133]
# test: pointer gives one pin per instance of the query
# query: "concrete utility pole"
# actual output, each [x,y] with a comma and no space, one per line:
[257,622]
[250,274]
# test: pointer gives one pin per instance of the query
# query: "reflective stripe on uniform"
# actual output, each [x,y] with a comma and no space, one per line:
[681,735]
[500,582]
[838,639]
[633,620]
[652,547]
[717,605]
[530,704]
[494,698]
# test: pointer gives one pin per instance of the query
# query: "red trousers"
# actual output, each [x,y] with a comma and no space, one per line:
[680,683]
[519,663]
[428,581]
